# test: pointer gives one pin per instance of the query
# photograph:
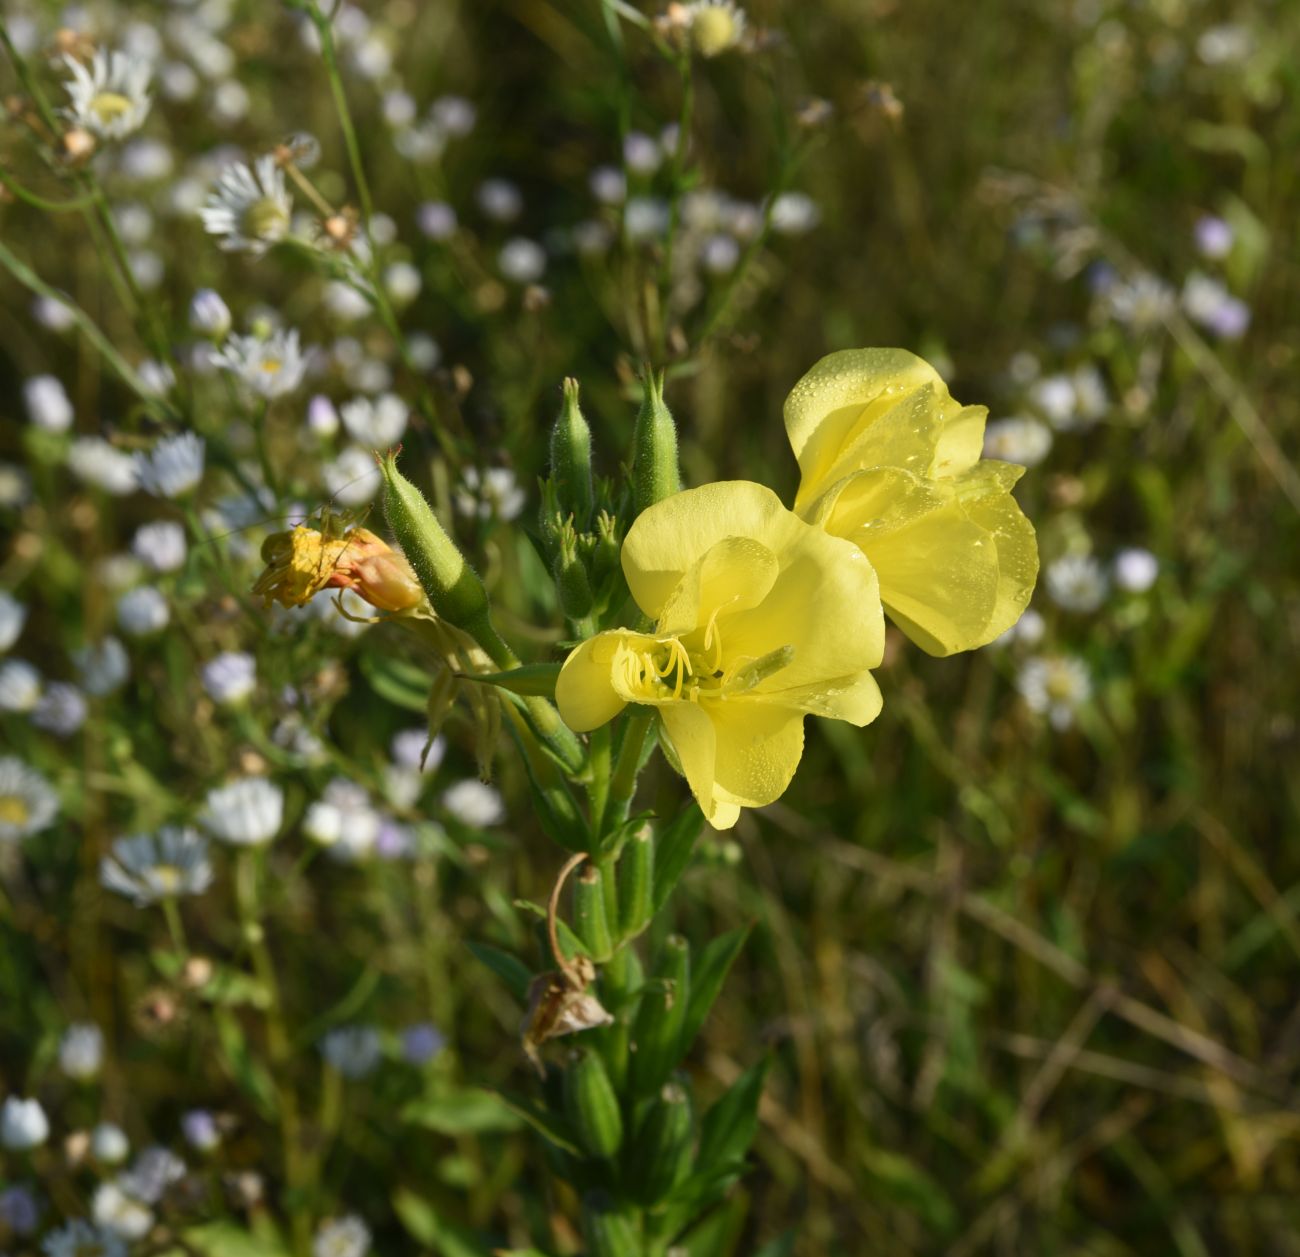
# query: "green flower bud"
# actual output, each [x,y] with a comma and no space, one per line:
[571,459]
[571,575]
[589,915]
[453,587]
[660,1156]
[608,1232]
[657,1031]
[591,1105]
[655,474]
[636,876]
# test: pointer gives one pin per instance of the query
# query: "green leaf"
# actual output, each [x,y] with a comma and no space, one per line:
[906,1182]
[708,973]
[447,1239]
[716,1234]
[401,683]
[530,679]
[245,1068]
[472,1110]
[226,1239]
[543,1122]
[510,969]
[730,1125]
[674,847]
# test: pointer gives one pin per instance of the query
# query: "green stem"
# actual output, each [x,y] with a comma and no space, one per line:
[678,170]
[623,784]
[598,757]
[175,927]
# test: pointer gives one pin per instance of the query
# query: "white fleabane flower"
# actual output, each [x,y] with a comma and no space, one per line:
[209,314]
[246,813]
[322,417]
[608,185]
[1055,686]
[342,1237]
[173,467]
[474,804]
[794,214]
[20,685]
[110,97]
[201,1130]
[19,1210]
[157,377]
[53,313]
[23,1124]
[500,200]
[152,1173]
[28,803]
[109,1144]
[15,486]
[719,254]
[436,220]
[250,208]
[422,1042]
[47,403]
[229,677]
[115,1211]
[343,821]
[423,350]
[160,546]
[646,217]
[352,1050]
[1018,440]
[13,615]
[522,261]
[353,477]
[95,462]
[81,1051]
[83,1239]
[1076,582]
[1214,237]
[641,154]
[1026,631]
[147,868]
[1142,302]
[142,612]
[147,160]
[379,423]
[412,748]
[495,492]
[61,709]
[1136,569]
[403,282]
[103,666]
[454,115]
[270,366]
[714,25]
[345,303]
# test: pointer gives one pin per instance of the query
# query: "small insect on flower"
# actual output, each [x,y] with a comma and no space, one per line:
[250,209]
[110,98]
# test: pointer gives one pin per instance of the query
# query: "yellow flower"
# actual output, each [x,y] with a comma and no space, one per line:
[759,620]
[891,462]
[302,562]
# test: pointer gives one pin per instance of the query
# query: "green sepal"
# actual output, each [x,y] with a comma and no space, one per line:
[589,912]
[529,679]
[608,1230]
[636,873]
[655,471]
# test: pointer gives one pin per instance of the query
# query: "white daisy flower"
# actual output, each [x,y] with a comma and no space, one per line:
[28,804]
[147,867]
[250,208]
[1076,582]
[379,423]
[474,804]
[154,1171]
[245,813]
[23,1124]
[142,612]
[1055,686]
[47,403]
[229,677]
[715,26]
[20,685]
[83,1239]
[522,261]
[342,1237]
[95,462]
[160,545]
[352,1050]
[1136,570]
[81,1051]
[343,820]
[209,314]
[109,1144]
[61,710]
[1018,440]
[495,492]
[353,477]
[270,366]
[103,666]
[13,615]
[173,467]
[110,97]
[115,1211]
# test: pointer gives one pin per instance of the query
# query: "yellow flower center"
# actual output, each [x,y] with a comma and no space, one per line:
[713,30]
[271,366]
[13,810]
[108,106]
[264,220]
[167,877]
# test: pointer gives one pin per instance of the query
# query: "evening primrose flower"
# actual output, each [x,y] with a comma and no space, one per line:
[891,462]
[760,619]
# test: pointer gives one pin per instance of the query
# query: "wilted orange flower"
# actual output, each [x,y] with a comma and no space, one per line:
[302,562]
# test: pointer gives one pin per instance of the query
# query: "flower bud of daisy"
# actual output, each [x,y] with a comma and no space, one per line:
[209,315]
[453,587]
[655,474]
[716,26]
[571,458]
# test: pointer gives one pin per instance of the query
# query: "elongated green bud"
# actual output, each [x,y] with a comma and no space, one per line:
[571,575]
[571,459]
[589,915]
[591,1105]
[621,974]
[655,474]
[660,1157]
[608,1232]
[636,879]
[657,1030]
[454,589]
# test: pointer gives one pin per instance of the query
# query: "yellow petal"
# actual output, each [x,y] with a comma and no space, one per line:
[856,699]
[694,744]
[956,558]
[732,575]
[759,746]
[666,540]
[584,690]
